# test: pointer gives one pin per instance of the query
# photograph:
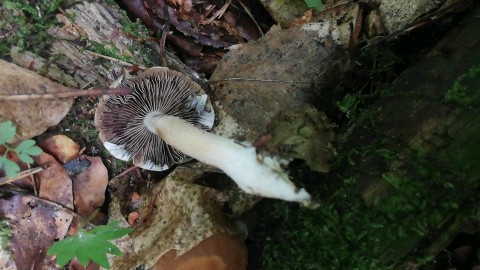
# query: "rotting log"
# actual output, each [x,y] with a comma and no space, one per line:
[423,149]
[73,58]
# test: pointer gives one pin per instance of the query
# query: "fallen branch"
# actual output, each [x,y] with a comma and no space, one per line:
[72,93]
[6,180]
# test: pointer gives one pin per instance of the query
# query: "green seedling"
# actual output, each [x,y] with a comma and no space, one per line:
[89,245]
[315,4]
[24,150]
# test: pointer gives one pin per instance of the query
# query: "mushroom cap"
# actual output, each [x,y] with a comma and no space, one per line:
[119,119]
[221,251]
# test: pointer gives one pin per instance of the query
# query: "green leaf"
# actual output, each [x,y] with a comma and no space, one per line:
[25,158]
[315,4]
[28,147]
[24,145]
[7,131]
[11,168]
[89,245]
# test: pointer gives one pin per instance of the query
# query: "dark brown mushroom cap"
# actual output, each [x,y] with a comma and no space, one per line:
[119,119]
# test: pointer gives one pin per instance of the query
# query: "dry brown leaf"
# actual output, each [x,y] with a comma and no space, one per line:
[32,223]
[55,185]
[89,187]
[35,116]
[183,215]
[397,15]
[61,147]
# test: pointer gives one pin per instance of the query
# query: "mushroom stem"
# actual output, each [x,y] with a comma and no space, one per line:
[253,174]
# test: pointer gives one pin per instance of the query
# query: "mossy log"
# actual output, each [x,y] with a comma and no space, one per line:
[89,45]
[416,157]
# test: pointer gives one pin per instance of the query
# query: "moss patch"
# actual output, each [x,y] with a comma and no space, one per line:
[25,25]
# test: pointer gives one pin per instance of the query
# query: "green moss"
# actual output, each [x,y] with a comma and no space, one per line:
[25,25]
[346,233]
[5,234]
[108,49]
[464,90]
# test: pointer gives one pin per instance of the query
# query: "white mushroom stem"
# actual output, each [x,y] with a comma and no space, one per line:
[263,177]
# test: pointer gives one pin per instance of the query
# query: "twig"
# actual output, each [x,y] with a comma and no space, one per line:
[114,59]
[251,16]
[22,174]
[218,14]
[69,94]
[261,80]
[165,32]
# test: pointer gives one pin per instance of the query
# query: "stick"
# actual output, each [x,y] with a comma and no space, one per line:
[22,174]
[70,94]
[54,205]
[165,32]
[261,80]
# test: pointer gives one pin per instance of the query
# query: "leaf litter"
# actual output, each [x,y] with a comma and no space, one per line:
[36,221]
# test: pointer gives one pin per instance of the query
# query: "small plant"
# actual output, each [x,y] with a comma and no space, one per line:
[464,89]
[5,233]
[315,4]
[349,105]
[24,150]
[89,245]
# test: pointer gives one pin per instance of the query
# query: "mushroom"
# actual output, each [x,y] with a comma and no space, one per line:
[221,251]
[164,122]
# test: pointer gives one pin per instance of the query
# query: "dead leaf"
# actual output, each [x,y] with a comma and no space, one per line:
[62,147]
[398,14]
[89,187]
[32,223]
[55,185]
[32,117]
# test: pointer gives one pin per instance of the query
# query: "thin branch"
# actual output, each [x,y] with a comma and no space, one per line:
[165,32]
[69,94]
[22,174]
[262,80]
[16,190]
[247,10]
[218,14]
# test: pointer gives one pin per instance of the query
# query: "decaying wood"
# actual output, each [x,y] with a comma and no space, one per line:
[94,23]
